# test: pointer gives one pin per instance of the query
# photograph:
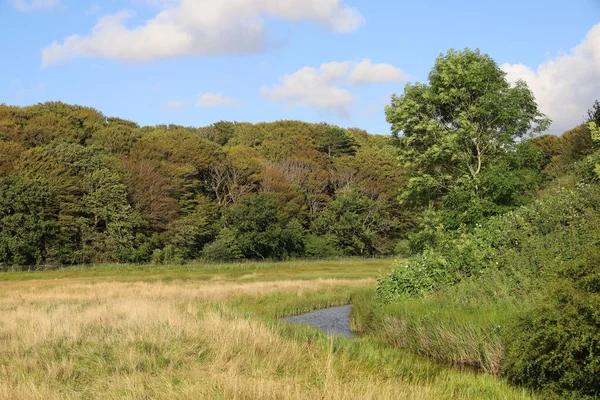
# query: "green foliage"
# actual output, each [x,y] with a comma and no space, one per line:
[593,114]
[516,293]
[456,126]
[191,232]
[505,184]
[336,142]
[121,192]
[555,347]
[224,248]
[528,238]
[357,224]
[25,221]
[423,274]
[561,153]
[594,128]
[168,256]
[260,230]
[321,246]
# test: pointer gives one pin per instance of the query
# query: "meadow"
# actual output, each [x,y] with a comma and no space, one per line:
[207,331]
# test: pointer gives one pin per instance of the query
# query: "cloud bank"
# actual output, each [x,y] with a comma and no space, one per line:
[322,88]
[198,28]
[565,86]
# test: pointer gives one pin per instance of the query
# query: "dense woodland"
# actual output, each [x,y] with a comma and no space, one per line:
[79,187]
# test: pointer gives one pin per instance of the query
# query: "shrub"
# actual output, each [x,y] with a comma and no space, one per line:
[402,248]
[225,248]
[321,247]
[556,346]
[422,274]
[168,255]
[530,239]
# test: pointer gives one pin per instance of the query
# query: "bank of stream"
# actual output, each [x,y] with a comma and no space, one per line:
[334,321]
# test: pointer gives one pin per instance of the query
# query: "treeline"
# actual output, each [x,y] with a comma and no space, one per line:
[79,187]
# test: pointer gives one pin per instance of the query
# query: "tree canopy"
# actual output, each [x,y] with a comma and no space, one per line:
[451,129]
[80,187]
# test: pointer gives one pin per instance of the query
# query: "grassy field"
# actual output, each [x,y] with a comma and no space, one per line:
[206,331]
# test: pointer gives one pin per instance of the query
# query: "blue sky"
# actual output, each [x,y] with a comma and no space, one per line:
[194,62]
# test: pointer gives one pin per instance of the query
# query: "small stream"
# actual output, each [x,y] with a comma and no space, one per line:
[334,321]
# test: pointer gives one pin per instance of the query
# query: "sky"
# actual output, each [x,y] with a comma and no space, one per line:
[195,62]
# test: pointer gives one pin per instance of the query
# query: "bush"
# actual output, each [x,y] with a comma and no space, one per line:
[321,247]
[225,248]
[422,274]
[168,255]
[402,248]
[531,239]
[556,346]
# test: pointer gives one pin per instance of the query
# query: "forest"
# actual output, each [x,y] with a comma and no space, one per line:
[494,224]
[78,187]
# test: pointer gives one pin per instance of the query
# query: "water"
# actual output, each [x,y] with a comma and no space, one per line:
[334,321]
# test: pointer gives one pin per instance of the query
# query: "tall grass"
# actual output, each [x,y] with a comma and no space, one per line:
[76,339]
[461,325]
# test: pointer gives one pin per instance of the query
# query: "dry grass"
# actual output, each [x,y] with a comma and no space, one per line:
[148,340]
[78,339]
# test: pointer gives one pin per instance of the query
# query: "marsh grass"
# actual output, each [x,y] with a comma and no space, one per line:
[461,325]
[350,268]
[214,338]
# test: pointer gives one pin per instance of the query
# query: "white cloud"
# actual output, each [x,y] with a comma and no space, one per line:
[367,72]
[210,100]
[174,105]
[314,88]
[35,5]
[323,88]
[566,85]
[198,27]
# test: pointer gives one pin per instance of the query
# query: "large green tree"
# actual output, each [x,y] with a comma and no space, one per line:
[25,221]
[452,129]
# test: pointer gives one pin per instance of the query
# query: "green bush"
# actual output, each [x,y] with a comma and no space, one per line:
[530,239]
[555,347]
[402,248]
[225,248]
[422,274]
[168,255]
[321,247]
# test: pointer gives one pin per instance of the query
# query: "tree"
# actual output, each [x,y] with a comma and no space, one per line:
[10,152]
[356,224]
[593,114]
[25,221]
[454,127]
[150,193]
[260,229]
[593,123]
[234,174]
[336,142]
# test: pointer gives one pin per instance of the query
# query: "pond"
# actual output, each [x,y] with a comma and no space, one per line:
[334,321]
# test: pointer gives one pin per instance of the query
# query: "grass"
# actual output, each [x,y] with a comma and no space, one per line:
[461,325]
[212,334]
[351,268]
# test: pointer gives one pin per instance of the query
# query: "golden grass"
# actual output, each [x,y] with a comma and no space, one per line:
[80,339]
[148,340]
